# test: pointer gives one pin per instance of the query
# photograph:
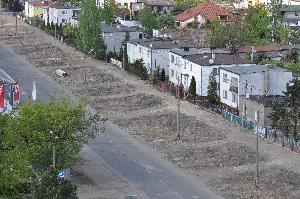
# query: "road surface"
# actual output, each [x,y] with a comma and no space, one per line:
[139,164]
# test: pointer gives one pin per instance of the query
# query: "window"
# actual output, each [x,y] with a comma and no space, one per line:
[172,58]
[172,73]
[176,75]
[185,79]
[225,94]
[63,21]
[184,65]
[148,53]
[215,71]
[296,14]
[224,77]
[191,67]
[64,12]
[234,81]
[244,110]
[140,49]
[233,97]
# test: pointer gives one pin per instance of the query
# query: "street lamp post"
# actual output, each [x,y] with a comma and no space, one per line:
[123,63]
[257,118]
[84,57]
[178,107]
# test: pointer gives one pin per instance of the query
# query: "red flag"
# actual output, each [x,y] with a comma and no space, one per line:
[16,93]
[1,96]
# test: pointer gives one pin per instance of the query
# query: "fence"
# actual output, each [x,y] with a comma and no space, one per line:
[269,134]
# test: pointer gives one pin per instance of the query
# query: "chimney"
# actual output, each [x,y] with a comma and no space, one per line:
[266,81]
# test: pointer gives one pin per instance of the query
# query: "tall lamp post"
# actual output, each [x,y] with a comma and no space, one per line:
[178,107]
[84,57]
[257,118]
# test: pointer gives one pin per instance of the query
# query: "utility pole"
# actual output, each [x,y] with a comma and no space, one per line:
[178,111]
[246,90]
[0,13]
[257,123]
[123,57]
[16,23]
[84,65]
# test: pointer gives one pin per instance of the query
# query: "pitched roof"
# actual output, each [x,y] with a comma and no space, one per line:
[208,10]
[159,43]
[61,6]
[264,48]
[40,3]
[253,69]
[290,8]
[220,59]
[111,28]
[158,2]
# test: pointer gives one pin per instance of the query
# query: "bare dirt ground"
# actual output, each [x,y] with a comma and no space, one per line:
[220,153]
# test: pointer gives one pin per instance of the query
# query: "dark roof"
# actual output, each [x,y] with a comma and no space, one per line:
[40,3]
[160,43]
[220,59]
[208,10]
[110,28]
[290,8]
[253,69]
[158,2]
[264,100]
[196,51]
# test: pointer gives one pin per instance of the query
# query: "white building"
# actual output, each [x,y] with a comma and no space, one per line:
[114,35]
[134,6]
[291,15]
[183,68]
[154,52]
[60,14]
[251,80]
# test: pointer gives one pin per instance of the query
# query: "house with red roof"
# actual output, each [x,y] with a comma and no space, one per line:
[35,8]
[203,13]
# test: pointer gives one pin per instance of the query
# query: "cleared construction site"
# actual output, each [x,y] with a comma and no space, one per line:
[221,154]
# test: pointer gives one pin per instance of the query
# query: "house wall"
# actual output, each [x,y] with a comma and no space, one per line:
[252,106]
[57,17]
[292,15]
[35,11]
[175,67]
[278,81]
[225,87]
[113,41]
[160,59]
[183,24]
[201,19]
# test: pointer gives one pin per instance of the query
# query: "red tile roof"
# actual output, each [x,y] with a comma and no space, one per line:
[266,48]
[208,10]
[40,3]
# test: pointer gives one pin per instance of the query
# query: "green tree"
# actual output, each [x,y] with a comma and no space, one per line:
[276,19]
[51,186]
[89,33]
[163,75]
[181,5]
[212,89]
[286,114]
[148,20]
[166,21]
[109,11]
[192,88]
[26,142]
[293,56]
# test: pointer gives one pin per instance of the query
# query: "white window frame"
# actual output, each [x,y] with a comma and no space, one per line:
[172,73]
[225,94]
[225,77]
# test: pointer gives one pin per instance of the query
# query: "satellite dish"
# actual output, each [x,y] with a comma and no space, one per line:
[211,61]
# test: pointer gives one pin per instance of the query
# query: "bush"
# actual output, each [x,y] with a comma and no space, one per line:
[152,79]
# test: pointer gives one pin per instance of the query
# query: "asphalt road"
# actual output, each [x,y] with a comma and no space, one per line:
[139,164]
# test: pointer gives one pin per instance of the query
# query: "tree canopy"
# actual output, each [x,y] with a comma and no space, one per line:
[27,139]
